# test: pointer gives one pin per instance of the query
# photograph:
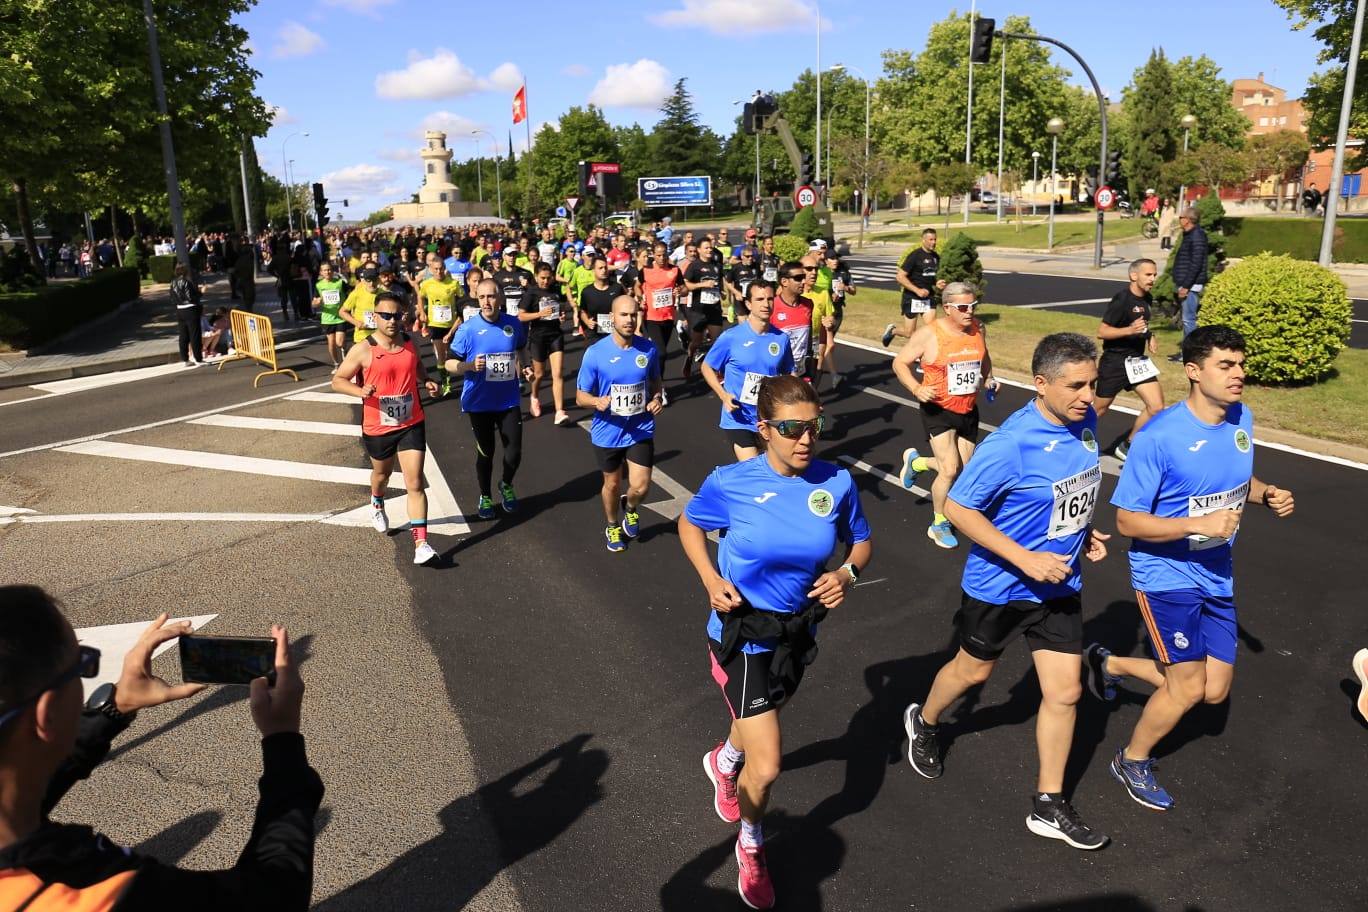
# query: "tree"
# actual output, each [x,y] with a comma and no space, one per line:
[950,178]
[1151,132]
[1199,90]
[378,216]
[581,134]
[906,177]
[678,143]
[1334,23]
[1276,155]
[1211,166]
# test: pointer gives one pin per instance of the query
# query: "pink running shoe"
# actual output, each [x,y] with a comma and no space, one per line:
[534,406]
[724,787]
[753,880]
[1361,671]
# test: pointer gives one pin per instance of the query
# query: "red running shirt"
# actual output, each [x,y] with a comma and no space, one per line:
[395,405]
[957,370]
[657,286]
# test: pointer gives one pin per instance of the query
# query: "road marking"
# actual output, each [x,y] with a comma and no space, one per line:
[15,511]
[444,514]
[883,476]
[224,462]
[115,640]
[98,381]
[171,517]
[250,423]
[338,398]
[1056,304]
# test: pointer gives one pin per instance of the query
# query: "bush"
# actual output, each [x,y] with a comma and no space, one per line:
[959,262]
[30,318]
[1294,315]
[162,267]
[789,247]
[805,226]
[1296,237]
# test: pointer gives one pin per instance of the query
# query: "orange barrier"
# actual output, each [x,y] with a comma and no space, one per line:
[253,338]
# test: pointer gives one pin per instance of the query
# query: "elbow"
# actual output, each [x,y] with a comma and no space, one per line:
[1125,523]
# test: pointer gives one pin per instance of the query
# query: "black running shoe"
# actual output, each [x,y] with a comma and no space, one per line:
[923,750]
[1055,818]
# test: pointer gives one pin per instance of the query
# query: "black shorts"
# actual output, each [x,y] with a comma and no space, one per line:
[744,438]
[985,630]
[541,344]
[938,420]
[384,446]
[700,318]
[330,328]
[1111,375]
[746,685]
[908,299]
[641,453]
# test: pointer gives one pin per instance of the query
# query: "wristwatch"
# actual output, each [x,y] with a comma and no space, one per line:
[853,570]
[102,701]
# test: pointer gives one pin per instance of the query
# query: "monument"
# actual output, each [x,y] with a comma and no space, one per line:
[439,200]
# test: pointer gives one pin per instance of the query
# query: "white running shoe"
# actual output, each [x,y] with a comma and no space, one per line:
[422,552]
[379,520]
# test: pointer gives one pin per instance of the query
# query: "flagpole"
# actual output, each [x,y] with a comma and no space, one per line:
[527,122]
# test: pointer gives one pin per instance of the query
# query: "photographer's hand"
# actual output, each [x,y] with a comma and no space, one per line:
[275,708]
[138,688]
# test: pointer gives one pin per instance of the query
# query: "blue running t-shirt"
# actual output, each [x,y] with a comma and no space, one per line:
[744,358]
[1180,466]
[626,376]
[494,389]
[1038,482]
[780,530]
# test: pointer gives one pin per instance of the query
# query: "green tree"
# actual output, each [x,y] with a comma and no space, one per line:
[678,143]
[1211,166]
[948,179]
[634,153]
[1151,133]
[378,216]
[960,263]
[581,134]
[1276,155]
[1334,23]
[1199,90]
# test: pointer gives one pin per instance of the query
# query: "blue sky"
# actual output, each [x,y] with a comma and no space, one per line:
[364,77]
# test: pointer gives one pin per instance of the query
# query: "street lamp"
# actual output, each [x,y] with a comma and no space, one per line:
[498,176]
[479,168]
[1054,128]
[1035,181]
[1187,122]
[864,192]
[289,211]
[817,11]
[831,110]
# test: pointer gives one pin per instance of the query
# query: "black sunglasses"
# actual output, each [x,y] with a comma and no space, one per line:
[795,428]
[386,315]
[796,276]
[87,665]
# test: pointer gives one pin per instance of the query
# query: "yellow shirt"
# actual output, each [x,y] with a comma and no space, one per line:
[354,264]
[360,303]
[821,307]
[439,297]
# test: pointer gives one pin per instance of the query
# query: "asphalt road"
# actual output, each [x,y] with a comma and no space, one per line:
[522,726]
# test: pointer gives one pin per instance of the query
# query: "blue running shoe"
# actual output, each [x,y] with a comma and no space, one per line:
[909,475]
[612,536]
[1102,684]
[486,510]
[942,534]
[631,521]
[509,499]
[1138,778]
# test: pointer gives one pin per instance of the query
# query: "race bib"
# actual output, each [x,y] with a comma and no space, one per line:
[962,378]
[662,298]
[750,387]
[838,288]
[550,310]
[331,296]
[470,313]
[915,305]
[441,313]
[1074,500]
[1203,504]
[707,297]
[605,323]
[1139,369]
[744,286]
[772,274]
[370,319]
[396,410]
[499,367]
[627,399]
[511,305]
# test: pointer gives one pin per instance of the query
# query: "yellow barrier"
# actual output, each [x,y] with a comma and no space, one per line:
[253,338]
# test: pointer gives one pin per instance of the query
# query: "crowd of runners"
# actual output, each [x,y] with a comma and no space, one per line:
[498,312]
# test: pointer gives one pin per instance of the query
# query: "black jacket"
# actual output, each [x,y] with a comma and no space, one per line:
[1190,265]
[73,868]
[795,649]
[184,292]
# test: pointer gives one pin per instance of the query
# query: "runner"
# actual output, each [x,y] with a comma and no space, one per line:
[661,290]
[581,278]
[619,378]
[392,426]
[837,277]
[744,356]
[469,305]
[1179,500]
[823,313]
[327,302]
[542,313]
[783,515]
[629,280]
[917,276]
[1127,345]
[485,351]
[1026,500]
[955,363]
[769,261]
[512,282]
[703,280]
[793,312]
[356,310]
[437,314]
[738,279]
[596,301]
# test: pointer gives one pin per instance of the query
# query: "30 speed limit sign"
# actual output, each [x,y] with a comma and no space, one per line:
[1106,197]
[804,196]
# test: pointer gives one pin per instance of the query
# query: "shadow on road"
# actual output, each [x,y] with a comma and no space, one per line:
[1098,902]
[179,839]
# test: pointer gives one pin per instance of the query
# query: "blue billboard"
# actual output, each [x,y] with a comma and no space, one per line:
[675,191]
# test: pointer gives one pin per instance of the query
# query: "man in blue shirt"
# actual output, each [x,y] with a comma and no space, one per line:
[486,350]
[1026,501]
[740,358]
[619,379]
[1180,498]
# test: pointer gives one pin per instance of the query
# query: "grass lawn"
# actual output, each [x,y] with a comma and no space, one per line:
[1330,410]
[1033,235]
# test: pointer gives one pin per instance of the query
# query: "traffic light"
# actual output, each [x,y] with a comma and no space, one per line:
[981,47]
[1090,181]
[584,178]
[320,205]
[1113,168]
[805,170]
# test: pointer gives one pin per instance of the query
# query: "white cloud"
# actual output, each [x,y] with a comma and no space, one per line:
[506,76]
[455,126]
[392,190]
[730,17]
[358,180]
[364,7]
[443,75]
[644,84]
[279,115]
[399,155]
[294,40]
[575,70]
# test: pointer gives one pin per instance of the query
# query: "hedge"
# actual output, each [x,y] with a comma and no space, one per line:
[30,318]
[959,262]
[789,247]
[1296,237]
[162,267]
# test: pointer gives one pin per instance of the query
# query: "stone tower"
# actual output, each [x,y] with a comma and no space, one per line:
[439,200]
[437,185]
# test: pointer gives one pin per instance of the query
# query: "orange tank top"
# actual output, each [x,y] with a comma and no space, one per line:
[657,287]
[955,372]
[394,374]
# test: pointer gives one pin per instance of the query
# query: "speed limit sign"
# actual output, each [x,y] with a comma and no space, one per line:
[804,196]
[1106,197]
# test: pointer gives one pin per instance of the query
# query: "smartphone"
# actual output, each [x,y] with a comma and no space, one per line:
[226,660]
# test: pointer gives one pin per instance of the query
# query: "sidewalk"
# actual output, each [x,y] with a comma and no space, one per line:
[142,333]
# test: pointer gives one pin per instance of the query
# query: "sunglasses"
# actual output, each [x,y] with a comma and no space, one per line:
[795,428]
[87,665]
[387,315]
[796,276]
[965,308]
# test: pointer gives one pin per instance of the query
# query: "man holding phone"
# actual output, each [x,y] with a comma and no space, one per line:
[48,743]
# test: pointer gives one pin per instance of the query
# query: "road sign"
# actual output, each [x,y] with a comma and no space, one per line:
[675,191]
[572,202]
[605,168]
[562,212]
[1106,197]
[804,196]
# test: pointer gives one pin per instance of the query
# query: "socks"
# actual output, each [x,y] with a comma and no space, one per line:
[922,723]
[419,527]
[939,518]
[1044,801]
[377,501]
[729,758]
[752,834]
[920,464]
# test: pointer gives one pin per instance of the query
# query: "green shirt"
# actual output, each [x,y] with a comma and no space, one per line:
[331,294]
[580,279]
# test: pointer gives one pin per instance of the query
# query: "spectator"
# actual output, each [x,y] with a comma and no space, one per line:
[1168,224]
[244,268]
[48,743]
[1190,270]
[213,328]
[186,294]
[1311,200]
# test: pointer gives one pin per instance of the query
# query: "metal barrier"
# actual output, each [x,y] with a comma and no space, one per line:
[254,339]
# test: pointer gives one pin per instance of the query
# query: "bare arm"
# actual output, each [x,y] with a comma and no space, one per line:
[1041,566]
[352,365]
[921,345]
[722,595]
[714,382]
[1160,529]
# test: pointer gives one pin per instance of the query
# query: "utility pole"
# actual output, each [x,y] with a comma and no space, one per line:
[1002,113]
[969,114]
[246,191]
[168,148]
[1337,167]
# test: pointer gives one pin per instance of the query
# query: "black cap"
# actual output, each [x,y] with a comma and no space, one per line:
[371,273]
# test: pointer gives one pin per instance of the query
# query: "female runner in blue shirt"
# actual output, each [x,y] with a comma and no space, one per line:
[783,514]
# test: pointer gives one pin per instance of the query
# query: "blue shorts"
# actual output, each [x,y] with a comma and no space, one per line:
[1188,625]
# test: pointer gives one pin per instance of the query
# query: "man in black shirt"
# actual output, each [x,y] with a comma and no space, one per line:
[739,278]
[630,278]
[703,280]
[512,282]
[1127,344]
[542,310]
[596,301]
[769,261]
[917,276]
